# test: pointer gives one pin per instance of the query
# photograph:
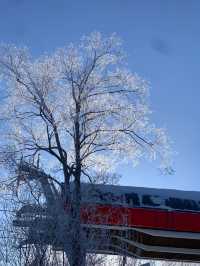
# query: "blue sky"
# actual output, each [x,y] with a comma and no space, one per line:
[162,41]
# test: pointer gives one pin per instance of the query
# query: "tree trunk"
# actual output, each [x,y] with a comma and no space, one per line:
[78,251]
[77,247]
[124,261]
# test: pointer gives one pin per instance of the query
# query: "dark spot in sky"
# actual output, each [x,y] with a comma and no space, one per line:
[161,46]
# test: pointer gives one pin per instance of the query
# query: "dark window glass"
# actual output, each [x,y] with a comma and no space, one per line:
[95,194]
[191,205]
[132,199]
[107,197]
[175,203]
[182,204]
[147,200]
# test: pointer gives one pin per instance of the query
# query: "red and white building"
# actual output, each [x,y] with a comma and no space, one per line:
[134,221]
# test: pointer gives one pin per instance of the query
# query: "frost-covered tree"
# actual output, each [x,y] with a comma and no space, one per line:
[82,111]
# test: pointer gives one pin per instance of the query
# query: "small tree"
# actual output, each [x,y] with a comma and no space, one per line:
[83,111]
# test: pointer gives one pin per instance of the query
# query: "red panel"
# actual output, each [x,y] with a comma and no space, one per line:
[182,221]
[148,218]
[141,217]
[104,215]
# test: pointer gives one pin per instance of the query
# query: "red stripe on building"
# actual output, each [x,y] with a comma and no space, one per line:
[141,217]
